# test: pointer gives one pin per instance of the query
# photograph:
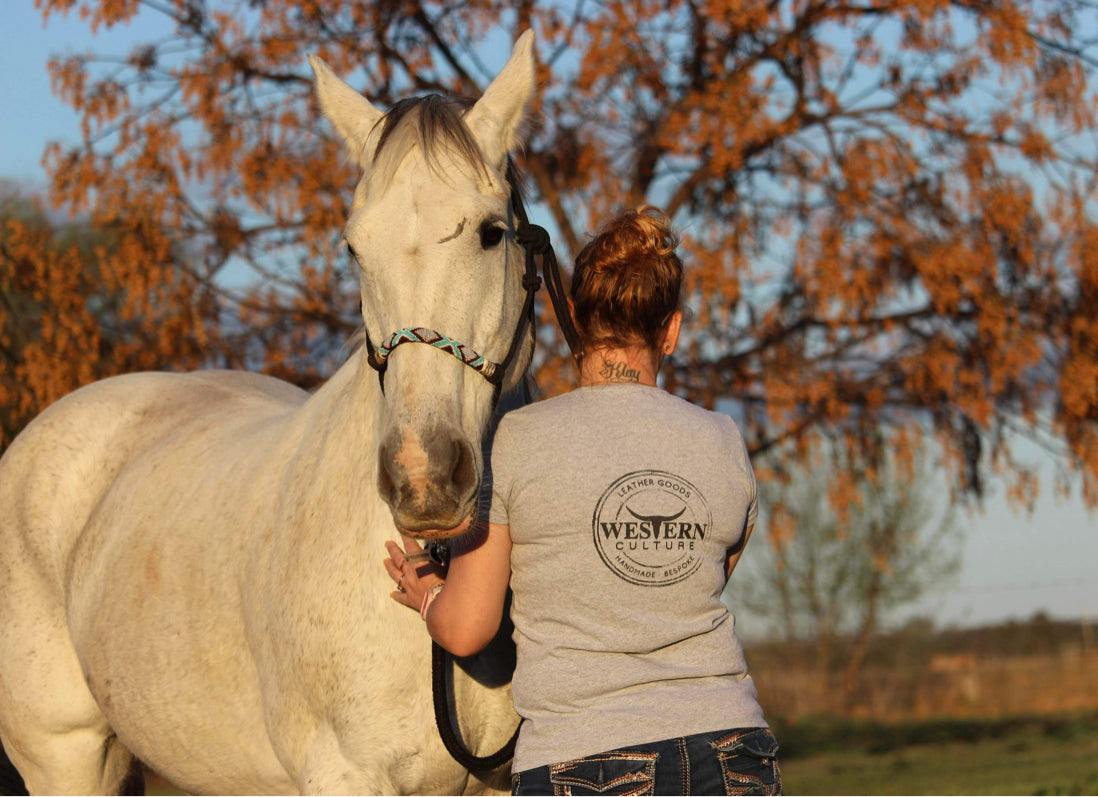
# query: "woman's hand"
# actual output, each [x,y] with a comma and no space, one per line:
[466,615]
[412,579]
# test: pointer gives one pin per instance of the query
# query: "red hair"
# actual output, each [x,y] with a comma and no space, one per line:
[627,280]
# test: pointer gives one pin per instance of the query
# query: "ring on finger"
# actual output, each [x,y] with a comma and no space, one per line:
[400,583]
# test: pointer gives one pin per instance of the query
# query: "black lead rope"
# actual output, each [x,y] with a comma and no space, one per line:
[535,240]
[454,746]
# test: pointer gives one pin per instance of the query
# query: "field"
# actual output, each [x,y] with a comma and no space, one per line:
[1016,756]
[1008,709]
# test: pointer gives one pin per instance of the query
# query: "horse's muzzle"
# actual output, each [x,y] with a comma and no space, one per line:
[430,485]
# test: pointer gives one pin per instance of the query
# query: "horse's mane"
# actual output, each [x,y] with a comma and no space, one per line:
[436,125]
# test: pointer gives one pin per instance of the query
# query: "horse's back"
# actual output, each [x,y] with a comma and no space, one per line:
[56,481]
[55,472]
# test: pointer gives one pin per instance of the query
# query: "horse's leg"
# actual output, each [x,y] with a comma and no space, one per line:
[328,771]
[11,782]
[81,761]
[53,729]
[72,755]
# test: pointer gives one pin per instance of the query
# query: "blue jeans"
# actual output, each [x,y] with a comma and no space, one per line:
[735,761]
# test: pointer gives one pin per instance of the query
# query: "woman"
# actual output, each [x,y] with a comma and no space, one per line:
[618,513]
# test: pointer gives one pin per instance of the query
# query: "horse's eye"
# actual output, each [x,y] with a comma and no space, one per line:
[351,251]
[491,233]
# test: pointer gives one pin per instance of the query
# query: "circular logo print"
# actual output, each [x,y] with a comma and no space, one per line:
[649,527]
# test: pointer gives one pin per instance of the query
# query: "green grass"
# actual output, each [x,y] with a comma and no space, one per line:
[1017,756]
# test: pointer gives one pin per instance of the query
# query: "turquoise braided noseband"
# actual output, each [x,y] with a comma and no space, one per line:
[439,341]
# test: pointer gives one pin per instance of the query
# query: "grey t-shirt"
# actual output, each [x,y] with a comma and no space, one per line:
[622,501]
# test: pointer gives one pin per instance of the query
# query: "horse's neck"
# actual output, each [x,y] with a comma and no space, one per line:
[334,478]
[352,397]
[333,467]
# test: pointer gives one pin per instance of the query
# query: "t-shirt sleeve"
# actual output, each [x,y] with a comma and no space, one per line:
[753,507]
[502,474]
[743,462]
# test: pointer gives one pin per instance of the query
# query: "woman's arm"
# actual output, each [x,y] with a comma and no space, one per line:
[744,475]
[734,553]
[466,614]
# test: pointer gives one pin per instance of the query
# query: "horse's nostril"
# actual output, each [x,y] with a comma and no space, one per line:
[386,486]
[463,476]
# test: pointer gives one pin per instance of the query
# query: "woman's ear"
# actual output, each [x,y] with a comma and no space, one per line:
[670,337]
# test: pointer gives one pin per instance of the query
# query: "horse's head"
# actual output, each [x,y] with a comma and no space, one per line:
[433,232]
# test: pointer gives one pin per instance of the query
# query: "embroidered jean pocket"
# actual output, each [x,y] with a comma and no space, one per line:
[615,772]
[748,762]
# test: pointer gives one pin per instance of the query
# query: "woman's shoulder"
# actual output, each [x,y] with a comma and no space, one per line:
[531,427]
[699,414]
[639,399]
[719,427]
[535,413]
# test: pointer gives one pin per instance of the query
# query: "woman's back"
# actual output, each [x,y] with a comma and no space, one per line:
[623,501]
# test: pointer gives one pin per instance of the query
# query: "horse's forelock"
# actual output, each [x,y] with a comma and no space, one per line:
[436,125]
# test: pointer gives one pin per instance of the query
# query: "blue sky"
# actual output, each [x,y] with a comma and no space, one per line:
[30,115]
[1014,564]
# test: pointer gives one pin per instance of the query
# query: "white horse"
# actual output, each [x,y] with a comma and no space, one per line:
[191,564]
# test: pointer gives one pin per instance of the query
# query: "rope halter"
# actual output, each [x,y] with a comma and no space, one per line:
[491,371]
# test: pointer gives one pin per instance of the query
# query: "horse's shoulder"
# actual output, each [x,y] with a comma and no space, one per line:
[62,465]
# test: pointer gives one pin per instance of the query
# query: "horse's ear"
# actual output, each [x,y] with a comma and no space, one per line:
[351,114]
[497,118]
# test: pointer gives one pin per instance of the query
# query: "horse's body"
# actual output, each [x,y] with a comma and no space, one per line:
[190,564]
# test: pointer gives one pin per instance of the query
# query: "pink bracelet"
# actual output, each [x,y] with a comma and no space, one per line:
[429,596]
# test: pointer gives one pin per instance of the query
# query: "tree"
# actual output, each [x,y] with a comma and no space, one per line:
[888,206]
[78,304]
[831,576]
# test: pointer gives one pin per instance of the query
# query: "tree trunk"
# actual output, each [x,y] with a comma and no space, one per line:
[853,670]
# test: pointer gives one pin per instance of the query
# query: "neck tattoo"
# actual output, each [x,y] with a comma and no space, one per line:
[617,371]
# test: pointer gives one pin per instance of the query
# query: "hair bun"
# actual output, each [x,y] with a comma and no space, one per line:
[651,232]
[627,279]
